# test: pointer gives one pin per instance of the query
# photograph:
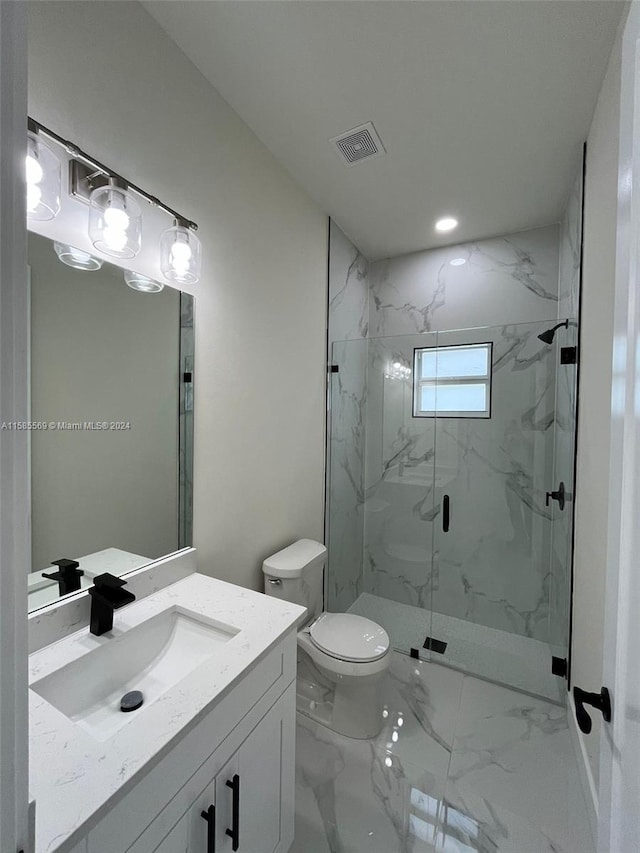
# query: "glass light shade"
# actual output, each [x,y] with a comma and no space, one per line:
[143,283]
[76,258]
[180,255]
[115,222]
[42,170]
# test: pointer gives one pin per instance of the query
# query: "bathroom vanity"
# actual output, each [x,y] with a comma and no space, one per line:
[205,764]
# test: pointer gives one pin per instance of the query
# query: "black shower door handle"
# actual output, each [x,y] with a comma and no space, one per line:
[445,514]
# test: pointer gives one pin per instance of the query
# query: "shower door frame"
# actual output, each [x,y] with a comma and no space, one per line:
[437,339]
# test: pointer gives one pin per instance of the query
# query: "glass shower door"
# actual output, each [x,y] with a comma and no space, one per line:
[345,487]
[494,398]
[381,490]
[443,447]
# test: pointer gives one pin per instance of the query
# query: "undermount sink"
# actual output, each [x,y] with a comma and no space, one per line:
[151,657]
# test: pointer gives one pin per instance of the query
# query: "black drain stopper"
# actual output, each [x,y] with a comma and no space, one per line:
[131,701]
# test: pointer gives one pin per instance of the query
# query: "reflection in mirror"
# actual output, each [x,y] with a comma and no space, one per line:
[111,422]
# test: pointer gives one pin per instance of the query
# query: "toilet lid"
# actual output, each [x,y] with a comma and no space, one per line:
[349,637]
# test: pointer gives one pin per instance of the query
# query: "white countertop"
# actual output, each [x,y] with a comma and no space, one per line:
[72,774]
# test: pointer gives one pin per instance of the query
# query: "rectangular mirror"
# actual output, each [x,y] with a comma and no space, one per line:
[111,423]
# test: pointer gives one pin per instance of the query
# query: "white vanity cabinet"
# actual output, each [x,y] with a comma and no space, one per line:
[237,766]
[248,803]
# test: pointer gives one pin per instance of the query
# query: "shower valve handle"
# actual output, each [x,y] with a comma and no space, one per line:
[559,495]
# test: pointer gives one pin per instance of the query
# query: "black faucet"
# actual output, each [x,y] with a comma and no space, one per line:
[106,596]
[68,575]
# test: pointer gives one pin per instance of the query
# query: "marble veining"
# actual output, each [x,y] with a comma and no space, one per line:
[509,782]
[512,279]
[348,288]
[72,775]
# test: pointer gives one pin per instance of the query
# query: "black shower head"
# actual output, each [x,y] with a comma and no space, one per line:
[548,336]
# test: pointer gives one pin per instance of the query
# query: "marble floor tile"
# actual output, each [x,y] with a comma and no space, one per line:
[471,768]
[515,751]
[351,798]
[471,824]
[421,702]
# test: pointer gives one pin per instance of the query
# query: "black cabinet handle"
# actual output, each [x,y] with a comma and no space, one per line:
[234,832]
[600,701]
[210,816]
[445,514]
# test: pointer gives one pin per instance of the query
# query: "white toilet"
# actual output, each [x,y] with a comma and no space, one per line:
[341,657]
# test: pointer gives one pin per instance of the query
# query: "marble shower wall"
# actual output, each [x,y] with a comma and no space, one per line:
[505,280]
[348,289]
[565,426]
[348,321]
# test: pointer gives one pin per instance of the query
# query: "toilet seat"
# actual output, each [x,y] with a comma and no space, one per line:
[348,637]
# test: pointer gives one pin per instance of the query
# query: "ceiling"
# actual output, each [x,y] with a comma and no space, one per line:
[482,106]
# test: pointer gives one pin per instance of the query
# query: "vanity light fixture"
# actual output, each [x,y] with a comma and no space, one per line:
[180,254]
[115,220]
[77,258]
[142,283]
[458,262]
[42,169]
[115,217]
[446,224]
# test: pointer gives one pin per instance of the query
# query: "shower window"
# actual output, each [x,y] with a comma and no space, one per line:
[452,382]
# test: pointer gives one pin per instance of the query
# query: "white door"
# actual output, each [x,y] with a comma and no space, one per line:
[14,505]
[619,795]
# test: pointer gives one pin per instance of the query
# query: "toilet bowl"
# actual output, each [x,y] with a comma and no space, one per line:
[341,657]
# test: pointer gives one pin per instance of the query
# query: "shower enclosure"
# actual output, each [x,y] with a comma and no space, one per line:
[446,519]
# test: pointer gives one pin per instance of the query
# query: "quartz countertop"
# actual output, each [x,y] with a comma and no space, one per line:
[73,775]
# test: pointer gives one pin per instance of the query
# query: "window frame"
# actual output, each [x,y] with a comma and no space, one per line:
[486,380]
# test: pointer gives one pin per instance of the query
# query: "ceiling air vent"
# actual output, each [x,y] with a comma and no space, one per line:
[359,143]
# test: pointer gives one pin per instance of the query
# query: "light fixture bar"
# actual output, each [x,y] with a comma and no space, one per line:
[76,152]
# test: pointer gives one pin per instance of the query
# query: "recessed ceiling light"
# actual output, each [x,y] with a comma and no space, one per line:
[458,262]
[143,283]
[76,258]
[447,223]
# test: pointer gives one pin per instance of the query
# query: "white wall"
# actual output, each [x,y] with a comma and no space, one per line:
[105,75]
[102,352]
[595,394]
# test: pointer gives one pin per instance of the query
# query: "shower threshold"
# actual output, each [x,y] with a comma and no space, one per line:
[521,663]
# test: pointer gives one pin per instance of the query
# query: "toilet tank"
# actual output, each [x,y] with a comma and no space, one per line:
[296,574]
